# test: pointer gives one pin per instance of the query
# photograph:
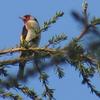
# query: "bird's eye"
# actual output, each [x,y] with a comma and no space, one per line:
[26,17]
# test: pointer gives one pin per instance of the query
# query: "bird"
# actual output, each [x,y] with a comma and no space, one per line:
[30,37]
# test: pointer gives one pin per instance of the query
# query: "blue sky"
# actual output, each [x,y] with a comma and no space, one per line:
[10,28]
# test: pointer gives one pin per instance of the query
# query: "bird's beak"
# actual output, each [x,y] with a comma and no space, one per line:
[23,18]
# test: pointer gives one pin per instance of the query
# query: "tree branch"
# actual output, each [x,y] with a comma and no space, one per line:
[29,49]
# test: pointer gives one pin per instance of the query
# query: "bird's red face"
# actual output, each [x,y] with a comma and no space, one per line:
[26,18]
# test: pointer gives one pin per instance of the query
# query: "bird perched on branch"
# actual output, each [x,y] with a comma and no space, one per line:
[30,37]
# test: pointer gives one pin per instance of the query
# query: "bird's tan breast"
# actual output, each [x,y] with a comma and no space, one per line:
[31,26]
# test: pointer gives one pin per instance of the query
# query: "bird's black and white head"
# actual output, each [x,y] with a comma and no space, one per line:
[26,18]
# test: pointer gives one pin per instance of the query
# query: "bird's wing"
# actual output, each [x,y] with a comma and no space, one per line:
[24,34]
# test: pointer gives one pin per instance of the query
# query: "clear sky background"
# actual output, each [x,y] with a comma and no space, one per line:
[70,87]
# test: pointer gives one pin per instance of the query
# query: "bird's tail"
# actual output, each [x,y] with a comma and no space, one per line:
[20,74]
